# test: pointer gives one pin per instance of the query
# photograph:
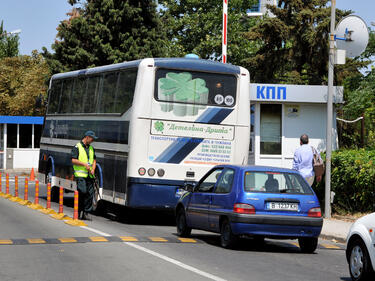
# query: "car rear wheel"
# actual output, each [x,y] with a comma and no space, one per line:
[308,244]
[227,239]
[359,261]
[182,228]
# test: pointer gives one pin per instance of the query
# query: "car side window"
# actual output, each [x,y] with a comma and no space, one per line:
[225,182]
[208,184]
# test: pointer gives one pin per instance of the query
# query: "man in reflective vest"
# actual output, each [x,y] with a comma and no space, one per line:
[84,164]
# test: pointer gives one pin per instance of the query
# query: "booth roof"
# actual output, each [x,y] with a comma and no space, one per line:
[21,120]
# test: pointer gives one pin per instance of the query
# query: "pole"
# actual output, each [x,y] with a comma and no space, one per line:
[75,213]
[1,188]
[363,131]
[331,65]
[224,36]
[26,192]
[16,186]
[48,196]
[61,198]
[7,184]
[36,199]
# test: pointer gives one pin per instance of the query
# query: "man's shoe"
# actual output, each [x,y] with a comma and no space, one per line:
[86,216]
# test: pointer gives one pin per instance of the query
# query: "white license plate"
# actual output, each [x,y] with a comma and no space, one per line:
[283,206]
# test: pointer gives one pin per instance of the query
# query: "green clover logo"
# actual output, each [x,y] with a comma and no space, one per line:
[159,126]
[183,87]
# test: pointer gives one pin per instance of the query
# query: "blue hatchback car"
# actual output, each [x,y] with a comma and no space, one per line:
[252,201]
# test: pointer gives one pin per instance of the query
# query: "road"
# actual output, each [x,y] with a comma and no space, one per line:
[34,246]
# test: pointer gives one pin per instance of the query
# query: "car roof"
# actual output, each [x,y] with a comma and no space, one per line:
[259,168]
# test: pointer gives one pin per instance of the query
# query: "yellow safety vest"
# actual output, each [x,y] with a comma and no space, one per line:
[81,171]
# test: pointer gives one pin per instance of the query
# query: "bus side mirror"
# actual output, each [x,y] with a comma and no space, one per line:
[40,101]
[189,187]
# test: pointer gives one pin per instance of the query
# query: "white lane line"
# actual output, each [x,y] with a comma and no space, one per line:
[163,257]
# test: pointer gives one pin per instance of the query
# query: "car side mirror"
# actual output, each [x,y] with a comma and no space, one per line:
[189,187]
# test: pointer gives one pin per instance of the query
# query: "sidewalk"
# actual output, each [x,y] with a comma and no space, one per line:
[334,229]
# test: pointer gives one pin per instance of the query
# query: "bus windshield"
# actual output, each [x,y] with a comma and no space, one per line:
[191,87]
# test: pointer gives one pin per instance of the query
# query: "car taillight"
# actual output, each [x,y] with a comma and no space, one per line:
[243,208]
[315,212]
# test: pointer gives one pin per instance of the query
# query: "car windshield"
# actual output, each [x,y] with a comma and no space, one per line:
[271,182]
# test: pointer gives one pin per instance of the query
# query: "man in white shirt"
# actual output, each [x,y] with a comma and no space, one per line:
[303,160]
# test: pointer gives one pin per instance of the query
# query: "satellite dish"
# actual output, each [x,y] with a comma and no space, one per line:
[352,35]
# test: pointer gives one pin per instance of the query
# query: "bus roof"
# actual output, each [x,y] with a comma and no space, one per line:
[172,63]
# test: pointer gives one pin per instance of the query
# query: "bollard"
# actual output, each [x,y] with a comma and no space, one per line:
[16,186]
[7,183]
[75,214]
[26,194]
[61,198]
[36,200]
[1,188]
[48,196]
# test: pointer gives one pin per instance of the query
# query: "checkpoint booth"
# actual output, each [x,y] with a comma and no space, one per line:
[280,114]
[19,142]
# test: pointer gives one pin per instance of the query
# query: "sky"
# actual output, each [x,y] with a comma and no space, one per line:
[38,19]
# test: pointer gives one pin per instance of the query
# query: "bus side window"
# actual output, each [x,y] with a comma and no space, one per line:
[79,90]
[65,97]
[107,97]
[54,98]
[92,93]
[125,90]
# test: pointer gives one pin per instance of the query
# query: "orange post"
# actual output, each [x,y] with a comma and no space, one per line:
[48,196]
[36,200]
[61,198]
[1,188]
[26,194]
[7,184]
[32,175]
[75,214]
[16,186]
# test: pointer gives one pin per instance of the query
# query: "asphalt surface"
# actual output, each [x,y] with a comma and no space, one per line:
[34,246]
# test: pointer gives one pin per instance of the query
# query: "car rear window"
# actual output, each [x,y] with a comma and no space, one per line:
[271,182]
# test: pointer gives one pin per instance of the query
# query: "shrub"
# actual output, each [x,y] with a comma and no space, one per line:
[352,180]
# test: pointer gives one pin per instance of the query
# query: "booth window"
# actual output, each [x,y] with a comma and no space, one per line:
[25,136]
[270,128]
[12,135]
[37,135]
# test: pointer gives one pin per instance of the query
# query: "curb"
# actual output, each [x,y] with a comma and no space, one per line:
[333,237]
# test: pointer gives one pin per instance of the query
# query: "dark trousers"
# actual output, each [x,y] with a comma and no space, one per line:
[85,187]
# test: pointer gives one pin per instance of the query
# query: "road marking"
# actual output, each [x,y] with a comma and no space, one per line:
[67,240]
[187,240]
[128,238]
[36,241]
[176,262]
[98,239]
[168,259]
[157,239]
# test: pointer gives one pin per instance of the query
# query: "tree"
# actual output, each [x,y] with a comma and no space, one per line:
[8,43]
[294,44]
[106,32]
[195,26]
[22,80]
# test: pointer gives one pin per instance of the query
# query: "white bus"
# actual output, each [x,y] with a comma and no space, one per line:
[160,122]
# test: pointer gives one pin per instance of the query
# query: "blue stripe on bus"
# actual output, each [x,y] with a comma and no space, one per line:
[182,147]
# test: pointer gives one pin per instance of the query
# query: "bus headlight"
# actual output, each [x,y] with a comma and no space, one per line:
[161,172]
[142,171]
[151,172]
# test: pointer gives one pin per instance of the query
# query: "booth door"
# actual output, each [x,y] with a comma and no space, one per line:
[2,146]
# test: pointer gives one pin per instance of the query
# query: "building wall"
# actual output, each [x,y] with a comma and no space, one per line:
[310,119]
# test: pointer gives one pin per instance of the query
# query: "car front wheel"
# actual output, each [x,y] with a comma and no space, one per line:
[308,244]
[182,228]
[359,261]
[227,239]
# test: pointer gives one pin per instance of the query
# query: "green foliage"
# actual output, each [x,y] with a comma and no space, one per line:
[22,80]
[353,181]
[8,43]
[106,32]
[195,26]
[294,44]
